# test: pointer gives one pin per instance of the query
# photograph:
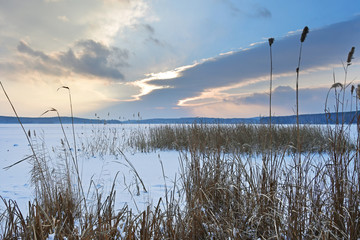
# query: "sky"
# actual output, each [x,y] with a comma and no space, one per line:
[125,59]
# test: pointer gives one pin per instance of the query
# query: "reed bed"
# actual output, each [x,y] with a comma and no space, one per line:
[240,138]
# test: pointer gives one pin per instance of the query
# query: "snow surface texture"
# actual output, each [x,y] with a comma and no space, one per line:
[15,182]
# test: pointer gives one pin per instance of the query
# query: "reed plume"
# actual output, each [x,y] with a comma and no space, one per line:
[352,96]
[350,56]
[348,63]
[304,34]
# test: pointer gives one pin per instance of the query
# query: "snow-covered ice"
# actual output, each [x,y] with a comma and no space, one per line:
[102,169]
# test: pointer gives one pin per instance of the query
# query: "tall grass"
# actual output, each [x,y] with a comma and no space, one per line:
[241,138]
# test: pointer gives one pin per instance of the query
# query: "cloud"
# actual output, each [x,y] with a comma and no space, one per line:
[23,47]
[263,12]
[232,6]
[54,24]
[283,99]
[86,57]
[63,18]
[311,100]
[255,11]
[150,31]
[149,28]
[227,77]
[323,49]
[155,41]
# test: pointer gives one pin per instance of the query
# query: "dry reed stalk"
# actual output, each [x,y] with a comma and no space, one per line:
[302,39]
[72,122]
[298,164]
[266,159]
[34,155]
[271,41]
[335,86]
[79,181]
[133,169]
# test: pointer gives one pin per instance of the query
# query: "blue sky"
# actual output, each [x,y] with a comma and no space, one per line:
[164,58]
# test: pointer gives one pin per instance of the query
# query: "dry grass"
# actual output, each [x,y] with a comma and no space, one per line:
[226,196]
[232,197]
[241,138]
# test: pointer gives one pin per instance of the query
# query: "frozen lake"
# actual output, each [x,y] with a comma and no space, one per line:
[100,168]
[97,162]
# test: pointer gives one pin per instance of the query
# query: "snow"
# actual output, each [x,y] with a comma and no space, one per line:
[102,166]
[15,182]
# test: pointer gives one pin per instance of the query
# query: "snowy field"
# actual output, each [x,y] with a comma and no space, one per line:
[107,157]
[98,164]
[97,167]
